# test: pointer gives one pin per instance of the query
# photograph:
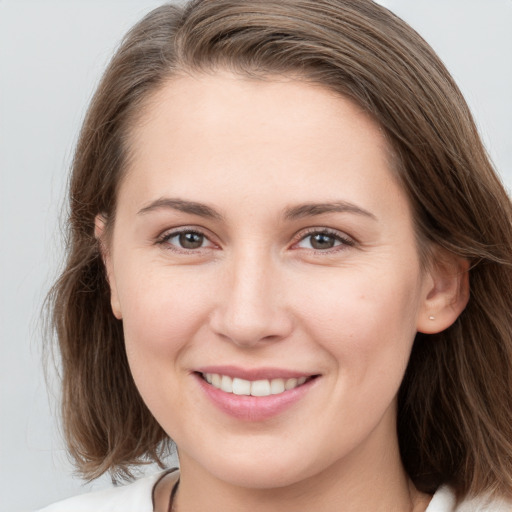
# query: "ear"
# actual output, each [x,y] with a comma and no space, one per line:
[100,234]
[446,292]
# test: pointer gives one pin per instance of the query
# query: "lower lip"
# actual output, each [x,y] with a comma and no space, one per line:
[254,408]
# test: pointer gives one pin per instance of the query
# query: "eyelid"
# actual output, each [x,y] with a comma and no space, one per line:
[345,239]
[165,236]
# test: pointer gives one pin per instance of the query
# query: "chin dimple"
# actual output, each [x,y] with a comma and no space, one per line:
[263,387]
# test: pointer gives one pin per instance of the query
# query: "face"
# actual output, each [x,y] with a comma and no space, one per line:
[264,264]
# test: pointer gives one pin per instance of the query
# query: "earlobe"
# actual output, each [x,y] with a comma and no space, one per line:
[446,294]
[100,235]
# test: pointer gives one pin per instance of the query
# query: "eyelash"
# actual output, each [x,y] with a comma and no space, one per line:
[341,241]
[165,238]
[344,240]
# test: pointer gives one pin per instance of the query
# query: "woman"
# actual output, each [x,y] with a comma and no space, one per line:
[290,255]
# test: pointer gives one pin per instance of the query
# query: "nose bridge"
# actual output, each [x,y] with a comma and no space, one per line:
[252,307]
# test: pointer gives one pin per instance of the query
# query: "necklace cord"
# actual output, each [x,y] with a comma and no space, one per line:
[170,508]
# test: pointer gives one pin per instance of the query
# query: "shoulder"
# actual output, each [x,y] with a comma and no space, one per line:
[444,501]
[134,497]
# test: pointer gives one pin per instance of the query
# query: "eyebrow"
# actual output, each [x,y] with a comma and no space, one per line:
[312,209]
[183,206]
[292,213]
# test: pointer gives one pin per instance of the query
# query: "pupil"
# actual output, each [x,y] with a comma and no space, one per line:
[322,241]
[191,240]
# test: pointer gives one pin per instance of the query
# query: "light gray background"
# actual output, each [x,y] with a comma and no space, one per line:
[51,56]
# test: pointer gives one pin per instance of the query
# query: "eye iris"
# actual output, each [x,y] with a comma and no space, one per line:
[322,241]
[191,240]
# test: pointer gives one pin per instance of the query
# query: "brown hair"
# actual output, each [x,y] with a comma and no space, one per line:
[455,403]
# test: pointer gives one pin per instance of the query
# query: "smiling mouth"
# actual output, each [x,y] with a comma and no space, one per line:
[261,388]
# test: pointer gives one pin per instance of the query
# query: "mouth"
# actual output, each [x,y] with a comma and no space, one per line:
[256,388]
[257,394]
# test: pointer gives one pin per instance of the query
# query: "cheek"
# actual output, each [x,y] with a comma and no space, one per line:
[162,316]
[367,322]
[162,313]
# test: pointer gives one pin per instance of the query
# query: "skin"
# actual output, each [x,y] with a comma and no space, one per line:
[258,292]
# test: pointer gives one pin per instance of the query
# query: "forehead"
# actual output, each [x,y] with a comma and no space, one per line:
[226,128]
[279,102]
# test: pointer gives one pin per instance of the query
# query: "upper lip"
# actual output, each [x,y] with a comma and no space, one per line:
[254,373]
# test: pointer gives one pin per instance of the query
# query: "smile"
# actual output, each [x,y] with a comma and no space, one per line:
[262,387]
[254,394]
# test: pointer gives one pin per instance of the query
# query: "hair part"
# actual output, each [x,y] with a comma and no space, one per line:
[455,403]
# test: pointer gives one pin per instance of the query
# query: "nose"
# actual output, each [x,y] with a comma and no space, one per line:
[251,306]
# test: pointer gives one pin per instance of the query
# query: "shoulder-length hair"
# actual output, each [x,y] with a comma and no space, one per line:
[455,403]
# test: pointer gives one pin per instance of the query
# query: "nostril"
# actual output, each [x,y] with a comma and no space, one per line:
[247,326]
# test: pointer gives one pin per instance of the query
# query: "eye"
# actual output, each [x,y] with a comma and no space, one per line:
[324,240]
[187,239]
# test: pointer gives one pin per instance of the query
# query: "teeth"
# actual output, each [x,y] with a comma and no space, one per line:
[226,384]
[264,387]
[260,388]
[290,384]
[241,387]
[277,386]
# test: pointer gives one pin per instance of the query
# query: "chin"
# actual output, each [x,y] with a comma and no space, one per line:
[261,477]
[262,472]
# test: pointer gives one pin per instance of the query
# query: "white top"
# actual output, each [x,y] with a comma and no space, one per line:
[138,497]
[134,497]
